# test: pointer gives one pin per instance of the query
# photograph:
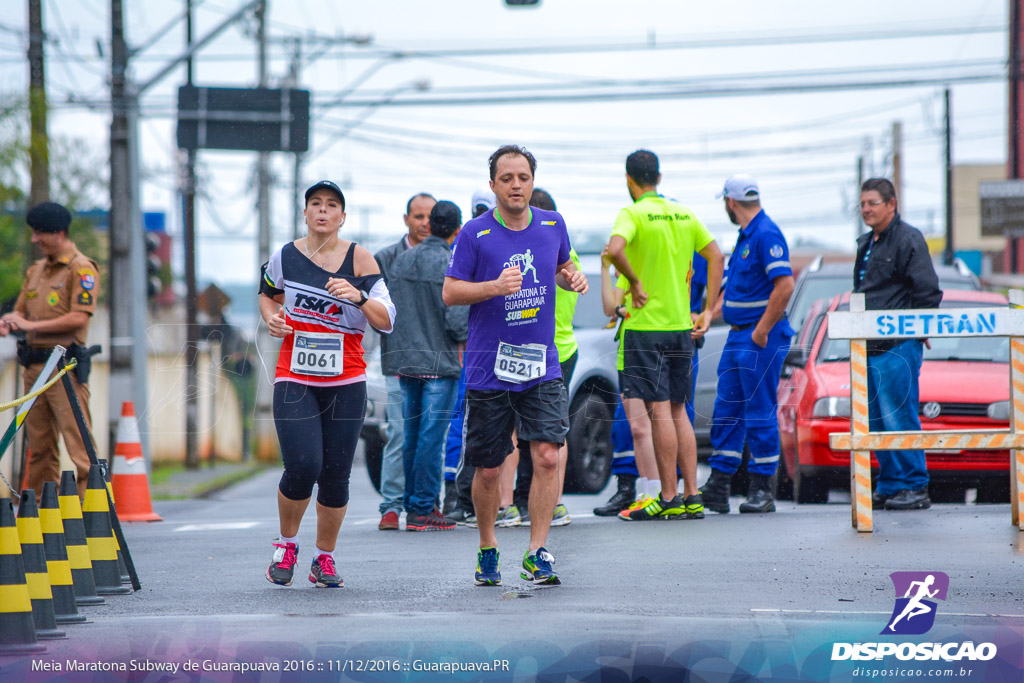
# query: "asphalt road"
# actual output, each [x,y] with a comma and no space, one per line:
[764,595]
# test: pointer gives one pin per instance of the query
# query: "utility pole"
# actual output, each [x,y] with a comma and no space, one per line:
[897,162]
[266,436]
[191,294]
[857,229]
[39,154]
[947,255]
[121,290]
[1014,241]
[297,203]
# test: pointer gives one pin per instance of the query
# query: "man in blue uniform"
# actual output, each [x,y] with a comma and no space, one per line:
[757,287]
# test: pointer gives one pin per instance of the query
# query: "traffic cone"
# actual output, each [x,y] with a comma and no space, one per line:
[100,536]
[17,629]
[122,568]
[76,542]
[130,480]
[57,564]
[36,575]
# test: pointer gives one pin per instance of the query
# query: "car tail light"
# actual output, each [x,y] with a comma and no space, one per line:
[832,406]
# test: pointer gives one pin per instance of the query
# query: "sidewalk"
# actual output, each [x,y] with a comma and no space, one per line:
[201,482]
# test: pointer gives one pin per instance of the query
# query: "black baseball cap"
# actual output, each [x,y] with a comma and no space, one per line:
[326,185]
[48,217]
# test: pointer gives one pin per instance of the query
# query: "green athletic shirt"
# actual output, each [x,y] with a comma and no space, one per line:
[661,237]
[565,309]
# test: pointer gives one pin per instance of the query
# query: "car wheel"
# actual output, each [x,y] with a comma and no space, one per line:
[782,483]
[947,492]
[373,448]
[994,490]
[808,489]
[589,463]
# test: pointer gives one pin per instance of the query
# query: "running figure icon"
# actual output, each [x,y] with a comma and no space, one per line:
[525,263]
[915,607]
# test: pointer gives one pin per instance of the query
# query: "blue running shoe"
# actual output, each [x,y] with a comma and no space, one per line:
[537,568]
[487,569]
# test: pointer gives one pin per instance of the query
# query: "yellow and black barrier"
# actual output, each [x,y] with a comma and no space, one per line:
[30,534]
[17,628]
[102,546]
[57,564]
[121,566]
[76,542]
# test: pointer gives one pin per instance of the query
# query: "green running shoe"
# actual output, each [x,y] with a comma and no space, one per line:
[487,568]
[508,517]
[694,507]
[537,568]
[657,508]
[560,516]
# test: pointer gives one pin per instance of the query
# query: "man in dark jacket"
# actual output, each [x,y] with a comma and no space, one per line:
[894,270]
[426,344]
[392,481]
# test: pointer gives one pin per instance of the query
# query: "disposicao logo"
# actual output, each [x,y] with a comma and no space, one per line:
[914,612]
[912,615]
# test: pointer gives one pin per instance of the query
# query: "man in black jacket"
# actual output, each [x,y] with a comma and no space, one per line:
[894,270]
[426,345]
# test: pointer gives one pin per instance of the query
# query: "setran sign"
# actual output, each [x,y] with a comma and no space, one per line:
[929,322]
[251,119]
[1002,207]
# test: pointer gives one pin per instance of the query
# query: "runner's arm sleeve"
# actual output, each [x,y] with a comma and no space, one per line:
[625,226]
[272,277]
[379,293]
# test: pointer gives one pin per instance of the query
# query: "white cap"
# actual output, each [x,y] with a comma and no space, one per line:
[742,187]
[482,197]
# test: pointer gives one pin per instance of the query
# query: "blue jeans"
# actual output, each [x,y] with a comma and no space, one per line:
[427,410]
[893,406]
[392,470]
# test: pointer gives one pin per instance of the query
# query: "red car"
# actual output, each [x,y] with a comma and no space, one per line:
[964,384]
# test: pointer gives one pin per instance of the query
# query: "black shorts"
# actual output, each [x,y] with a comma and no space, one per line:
[657,366]
[540,413]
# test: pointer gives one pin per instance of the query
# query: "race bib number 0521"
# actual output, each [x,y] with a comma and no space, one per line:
[318,354]
[518,364]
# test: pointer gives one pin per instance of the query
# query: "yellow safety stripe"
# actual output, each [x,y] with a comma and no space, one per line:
[60,572]
[15,599]
[32,394]
[110,490]
[29,531]
[95,501]
[101,549]
[78,556]
[50,521]
[70,507]
[10,543]
[38,585]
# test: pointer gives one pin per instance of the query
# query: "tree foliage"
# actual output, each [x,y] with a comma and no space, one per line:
[77,180]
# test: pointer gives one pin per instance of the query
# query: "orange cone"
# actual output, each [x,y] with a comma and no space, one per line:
[130,482]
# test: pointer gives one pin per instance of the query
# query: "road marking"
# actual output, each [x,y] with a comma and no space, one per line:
[839,611]
[220,526]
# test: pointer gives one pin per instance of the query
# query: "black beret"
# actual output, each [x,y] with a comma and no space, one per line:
[48,217]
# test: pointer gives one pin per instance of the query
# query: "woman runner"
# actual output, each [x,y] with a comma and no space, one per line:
[317,294]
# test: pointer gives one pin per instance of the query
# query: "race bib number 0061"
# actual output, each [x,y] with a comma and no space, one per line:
[318,354]
[518,364]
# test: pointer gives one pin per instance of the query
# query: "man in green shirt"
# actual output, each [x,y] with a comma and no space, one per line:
[652,245]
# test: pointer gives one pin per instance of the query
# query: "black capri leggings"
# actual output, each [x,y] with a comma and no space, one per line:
[318,428]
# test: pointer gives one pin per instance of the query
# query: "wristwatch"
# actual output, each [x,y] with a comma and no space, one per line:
[362,299]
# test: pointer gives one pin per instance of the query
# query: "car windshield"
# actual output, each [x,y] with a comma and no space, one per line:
[827,287]
[976,349]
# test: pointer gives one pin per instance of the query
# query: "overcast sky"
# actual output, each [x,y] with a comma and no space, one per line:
[801,145]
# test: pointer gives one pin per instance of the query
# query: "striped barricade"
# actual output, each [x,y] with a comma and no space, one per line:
[859,325]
